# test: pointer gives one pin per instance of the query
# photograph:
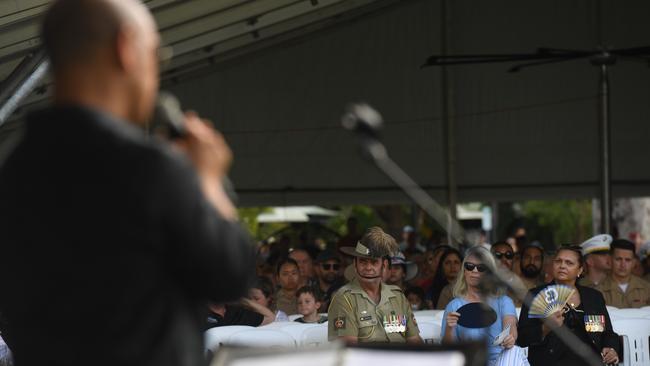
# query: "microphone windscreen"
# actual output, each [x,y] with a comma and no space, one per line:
[168,118]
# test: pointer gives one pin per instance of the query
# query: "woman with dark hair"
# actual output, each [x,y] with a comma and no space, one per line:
[262,293]
[584,315]
[448,269]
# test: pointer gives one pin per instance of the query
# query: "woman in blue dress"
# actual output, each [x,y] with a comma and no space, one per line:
[477,261]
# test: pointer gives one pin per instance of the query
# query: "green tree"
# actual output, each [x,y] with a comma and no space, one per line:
[248,217]
[366,216]
[569,221]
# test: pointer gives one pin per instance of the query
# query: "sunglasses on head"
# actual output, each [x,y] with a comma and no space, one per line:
[479,267]
[508,255]
[333,266]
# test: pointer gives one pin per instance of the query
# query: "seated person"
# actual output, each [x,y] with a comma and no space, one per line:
[448,270]
[585,315]
[401,271]
[288,274]
[466,290]
[262,293]
[621,288]
[329,277]
[245,312]
[308,304]
[415,296]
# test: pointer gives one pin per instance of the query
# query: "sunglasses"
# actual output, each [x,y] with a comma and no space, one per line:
[508,255]
[479,267]
[330,266]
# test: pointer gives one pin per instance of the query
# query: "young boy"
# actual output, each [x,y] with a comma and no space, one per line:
[308,304]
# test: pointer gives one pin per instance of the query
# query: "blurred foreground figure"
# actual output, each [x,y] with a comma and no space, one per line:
[111,244]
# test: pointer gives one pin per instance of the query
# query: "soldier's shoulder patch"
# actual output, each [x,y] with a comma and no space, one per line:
[339,322]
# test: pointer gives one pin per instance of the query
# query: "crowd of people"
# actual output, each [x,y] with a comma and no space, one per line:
[142,236]
[427,275]
[603,271]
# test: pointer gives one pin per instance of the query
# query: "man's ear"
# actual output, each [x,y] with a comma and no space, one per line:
[126,53]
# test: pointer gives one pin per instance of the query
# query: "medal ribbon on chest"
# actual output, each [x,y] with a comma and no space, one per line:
[594,323]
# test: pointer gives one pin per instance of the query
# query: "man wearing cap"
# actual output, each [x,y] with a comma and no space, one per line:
[367,310]
[597,260]
[328,272]
[622,289]
[401,271]
[409,245]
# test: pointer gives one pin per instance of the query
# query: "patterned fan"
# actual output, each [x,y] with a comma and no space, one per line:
[549,300]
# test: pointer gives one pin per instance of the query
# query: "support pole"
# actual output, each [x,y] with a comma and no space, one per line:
[448,121]
[605,152]
[21,82]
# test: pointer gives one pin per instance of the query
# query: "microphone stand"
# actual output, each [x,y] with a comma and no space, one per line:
[366,122]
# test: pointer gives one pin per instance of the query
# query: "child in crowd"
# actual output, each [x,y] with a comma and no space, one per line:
[262,293]
[415,295]
[308,304]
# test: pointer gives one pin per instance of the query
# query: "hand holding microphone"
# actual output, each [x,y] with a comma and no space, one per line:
[204,146]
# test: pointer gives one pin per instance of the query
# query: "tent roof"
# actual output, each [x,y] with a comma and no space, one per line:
[275,75]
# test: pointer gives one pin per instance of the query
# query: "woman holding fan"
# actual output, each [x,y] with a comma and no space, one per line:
[475,315]
[583,313]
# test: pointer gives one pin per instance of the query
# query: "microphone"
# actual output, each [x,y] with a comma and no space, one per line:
[362,119]
[365,122]
[168,120]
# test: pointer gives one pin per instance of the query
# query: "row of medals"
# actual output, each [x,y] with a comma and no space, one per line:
[394,323]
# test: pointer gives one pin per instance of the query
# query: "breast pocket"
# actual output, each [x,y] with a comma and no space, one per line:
[367,324]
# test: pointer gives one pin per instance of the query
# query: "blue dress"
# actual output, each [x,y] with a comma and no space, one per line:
[502,306]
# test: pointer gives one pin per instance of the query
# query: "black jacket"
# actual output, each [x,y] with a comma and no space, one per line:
[109,251]
[551,350]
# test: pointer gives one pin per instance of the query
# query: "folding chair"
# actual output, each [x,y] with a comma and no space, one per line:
[215,337]
[294,329]
[437,318]
[263,338]
[314,336]
[425,315]
[429,331]
[632,313]
[635,334]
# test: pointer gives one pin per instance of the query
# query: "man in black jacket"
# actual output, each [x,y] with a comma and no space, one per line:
[111,245]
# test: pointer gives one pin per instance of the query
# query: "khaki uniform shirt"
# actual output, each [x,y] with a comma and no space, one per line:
[353,313]
[586,282]
[636,295]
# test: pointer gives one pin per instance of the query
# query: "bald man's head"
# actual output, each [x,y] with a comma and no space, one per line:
[109,43]
[73,30]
